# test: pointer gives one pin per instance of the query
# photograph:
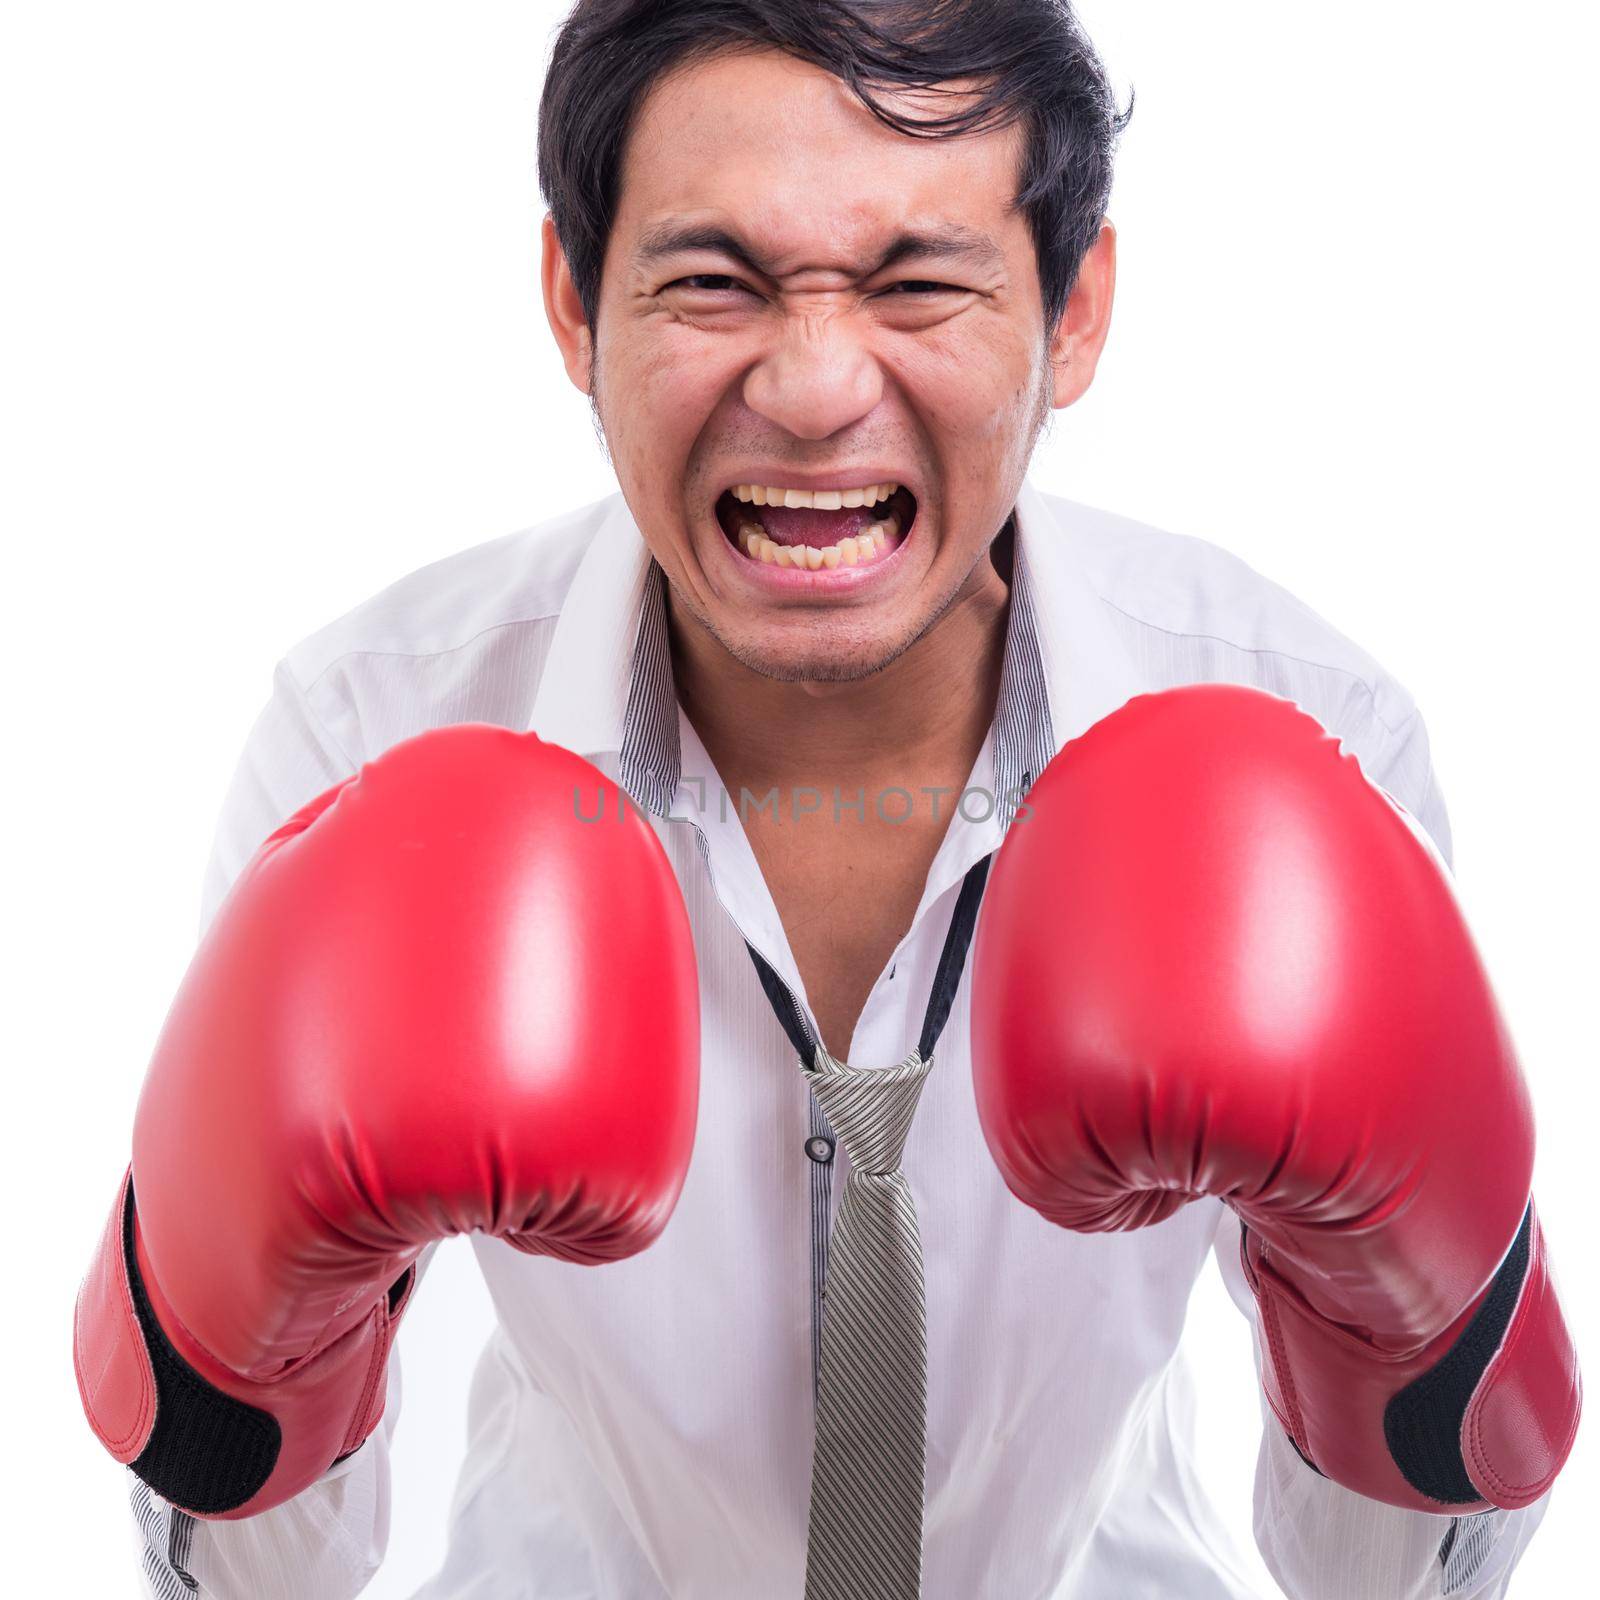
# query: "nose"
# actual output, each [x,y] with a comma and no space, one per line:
[816,379]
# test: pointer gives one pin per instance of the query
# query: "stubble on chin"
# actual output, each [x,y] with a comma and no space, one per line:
[847,660]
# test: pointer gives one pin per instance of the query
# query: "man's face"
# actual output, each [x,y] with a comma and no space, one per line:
[752,338]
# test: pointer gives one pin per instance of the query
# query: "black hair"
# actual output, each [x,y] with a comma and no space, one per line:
[1028,59]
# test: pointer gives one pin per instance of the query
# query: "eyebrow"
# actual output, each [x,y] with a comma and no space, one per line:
[951,241]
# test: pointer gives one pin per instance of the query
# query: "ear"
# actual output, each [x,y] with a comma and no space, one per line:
[1081,334]
[564,309]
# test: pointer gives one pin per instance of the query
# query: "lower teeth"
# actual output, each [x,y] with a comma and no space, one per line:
[872,542]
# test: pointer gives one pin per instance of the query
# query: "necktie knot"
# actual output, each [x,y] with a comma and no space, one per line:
[870,1108]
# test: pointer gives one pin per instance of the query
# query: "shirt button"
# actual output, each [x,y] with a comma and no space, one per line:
[820,1149]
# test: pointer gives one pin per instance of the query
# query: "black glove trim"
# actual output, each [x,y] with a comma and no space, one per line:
[207,1452]
[1422,1423]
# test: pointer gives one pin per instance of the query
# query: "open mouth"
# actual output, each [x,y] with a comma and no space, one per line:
[811,529]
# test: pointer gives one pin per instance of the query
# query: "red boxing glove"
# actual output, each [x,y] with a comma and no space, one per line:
[437,1000]
[1215,960]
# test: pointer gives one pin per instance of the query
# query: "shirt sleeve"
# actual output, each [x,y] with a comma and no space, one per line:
[324,1544]
[289,758]
[1320,1540]
[328,1541]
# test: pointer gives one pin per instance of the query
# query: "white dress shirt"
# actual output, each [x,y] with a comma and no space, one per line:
[644,1429]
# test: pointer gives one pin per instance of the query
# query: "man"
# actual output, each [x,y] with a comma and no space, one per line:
[823,271]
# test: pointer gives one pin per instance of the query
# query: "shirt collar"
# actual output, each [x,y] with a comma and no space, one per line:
[607,685]
[1087,668]
[590,675]
[1065,668]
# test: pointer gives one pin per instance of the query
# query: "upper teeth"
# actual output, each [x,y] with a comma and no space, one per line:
[818,499]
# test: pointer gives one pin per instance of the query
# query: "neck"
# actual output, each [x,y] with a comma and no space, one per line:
[922,719]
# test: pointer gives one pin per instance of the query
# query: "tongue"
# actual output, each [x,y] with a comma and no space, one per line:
[805,525]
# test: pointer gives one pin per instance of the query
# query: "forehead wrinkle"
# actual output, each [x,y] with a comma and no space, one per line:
[947,241]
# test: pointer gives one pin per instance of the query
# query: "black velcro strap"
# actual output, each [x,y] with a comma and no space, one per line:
[207,1453]
[1422,1424]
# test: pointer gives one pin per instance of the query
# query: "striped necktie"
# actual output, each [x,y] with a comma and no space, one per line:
[865,1534]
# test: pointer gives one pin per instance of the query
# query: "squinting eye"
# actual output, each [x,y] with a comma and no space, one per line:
[712,281]
[925,286]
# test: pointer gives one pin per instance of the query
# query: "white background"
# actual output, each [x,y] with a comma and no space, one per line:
[272,337]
